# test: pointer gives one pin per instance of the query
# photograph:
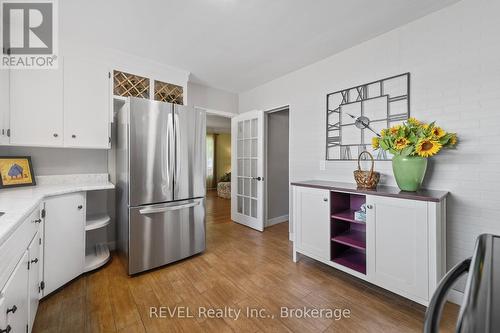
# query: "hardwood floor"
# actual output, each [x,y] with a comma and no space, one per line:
[241,269]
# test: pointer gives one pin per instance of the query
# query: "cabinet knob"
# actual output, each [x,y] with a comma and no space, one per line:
[6,330]
[55,135]
[369,206]
[73,136]
[12,309]
[80,206]
[37,221]
[325,199]
[34,261]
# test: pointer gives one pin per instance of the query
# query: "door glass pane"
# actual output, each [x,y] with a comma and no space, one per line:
[253,172]
[254,128]
[246,206]
[246,132]
[254,188]
[240,185]
[240,205]
[240,148]
[254,208]
[248,150]
[246,187]
[240,130]
[254,148]
[247,167]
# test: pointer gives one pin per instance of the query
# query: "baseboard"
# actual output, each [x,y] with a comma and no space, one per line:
[455,296]
[276,220]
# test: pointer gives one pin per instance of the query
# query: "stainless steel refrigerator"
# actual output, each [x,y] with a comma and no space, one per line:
[160,164]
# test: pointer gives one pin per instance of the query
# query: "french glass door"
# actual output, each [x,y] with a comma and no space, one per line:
[247,181]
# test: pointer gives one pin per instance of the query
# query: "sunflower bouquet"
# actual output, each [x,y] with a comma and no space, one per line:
[414,138]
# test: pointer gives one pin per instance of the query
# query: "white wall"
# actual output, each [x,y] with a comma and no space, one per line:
[454,59]
[211,98]
[277,167]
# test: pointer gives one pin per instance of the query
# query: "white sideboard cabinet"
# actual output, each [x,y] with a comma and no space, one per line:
[400,246]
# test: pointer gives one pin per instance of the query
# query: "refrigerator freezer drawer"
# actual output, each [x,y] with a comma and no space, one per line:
[164,233]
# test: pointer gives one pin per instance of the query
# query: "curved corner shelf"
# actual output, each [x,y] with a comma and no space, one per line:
[97,221]
[98,258]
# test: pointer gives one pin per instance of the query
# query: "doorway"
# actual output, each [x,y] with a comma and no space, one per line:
[218,166]
[277,166]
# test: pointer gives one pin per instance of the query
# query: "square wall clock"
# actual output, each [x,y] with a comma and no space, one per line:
[355,115]
[16,171]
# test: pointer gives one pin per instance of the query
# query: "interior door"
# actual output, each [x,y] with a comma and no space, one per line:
[189,169]
[247,159]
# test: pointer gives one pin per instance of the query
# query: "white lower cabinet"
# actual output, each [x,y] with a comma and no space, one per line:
[14,310]
[312,216]
[402,243]
[398,245]
[34,288]
[64,250]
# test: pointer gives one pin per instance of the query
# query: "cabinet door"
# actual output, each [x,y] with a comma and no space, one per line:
[33,279]
[398,245]
[36,101]
[15,303]
[64,252]
[4,106]
[312,221]
[86,104]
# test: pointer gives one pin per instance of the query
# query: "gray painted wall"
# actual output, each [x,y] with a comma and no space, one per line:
[277,164]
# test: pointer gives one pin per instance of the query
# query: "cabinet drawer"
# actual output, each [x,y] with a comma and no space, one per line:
[15,246]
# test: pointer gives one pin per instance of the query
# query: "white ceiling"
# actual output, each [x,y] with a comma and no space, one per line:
[236,45]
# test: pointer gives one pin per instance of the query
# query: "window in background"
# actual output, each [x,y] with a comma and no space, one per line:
[210,161]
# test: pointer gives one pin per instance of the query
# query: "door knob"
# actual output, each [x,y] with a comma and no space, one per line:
[325,199]
[12,309]
[369,206]
[80,206]
[56,135]
[258,178]
[73,136]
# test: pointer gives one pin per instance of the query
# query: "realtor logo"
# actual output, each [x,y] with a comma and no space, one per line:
[29,34]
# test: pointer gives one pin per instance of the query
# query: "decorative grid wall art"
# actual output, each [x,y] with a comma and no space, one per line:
[355,115]
[125,84]
[167,92]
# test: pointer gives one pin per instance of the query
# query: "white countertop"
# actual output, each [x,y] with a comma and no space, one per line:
[18,203]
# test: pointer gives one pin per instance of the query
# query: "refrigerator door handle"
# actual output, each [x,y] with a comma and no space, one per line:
[162,209]
[177,142]
[433,313]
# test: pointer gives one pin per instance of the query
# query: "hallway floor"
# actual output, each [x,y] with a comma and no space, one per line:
[241,269]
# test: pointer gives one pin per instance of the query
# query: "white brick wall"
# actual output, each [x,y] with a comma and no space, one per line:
[453,56]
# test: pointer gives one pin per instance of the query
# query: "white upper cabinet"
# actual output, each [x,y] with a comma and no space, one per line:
[36,107]
[4,106]
[86,104]
[312,221]
[398,247]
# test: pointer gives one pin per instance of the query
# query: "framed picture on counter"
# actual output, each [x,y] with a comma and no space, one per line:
[16,171]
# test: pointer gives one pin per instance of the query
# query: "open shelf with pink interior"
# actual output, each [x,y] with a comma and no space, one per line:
[348,236]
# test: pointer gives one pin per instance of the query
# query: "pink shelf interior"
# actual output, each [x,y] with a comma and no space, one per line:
[352,259]
[346,215]
[352,237]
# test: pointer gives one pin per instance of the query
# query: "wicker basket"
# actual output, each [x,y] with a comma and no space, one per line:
[366,179]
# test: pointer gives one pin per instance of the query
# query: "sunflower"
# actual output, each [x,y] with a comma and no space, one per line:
[438,132]
[384,132]
[427,147]
[414,121]
[394,129]
[453,140]
[375,142]
[401,143]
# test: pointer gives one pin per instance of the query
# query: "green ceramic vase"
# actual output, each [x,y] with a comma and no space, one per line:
[409,171]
